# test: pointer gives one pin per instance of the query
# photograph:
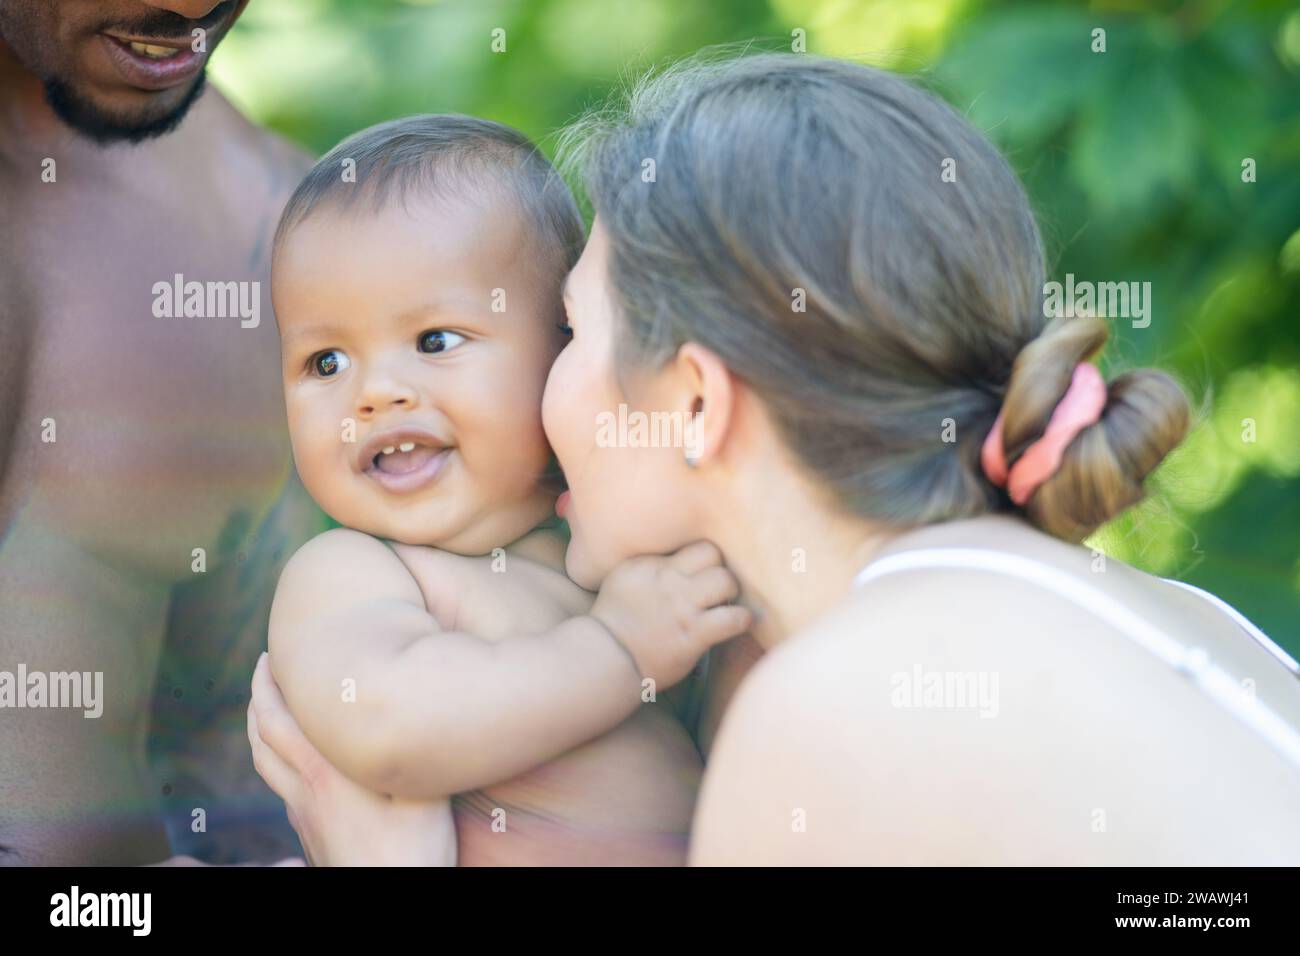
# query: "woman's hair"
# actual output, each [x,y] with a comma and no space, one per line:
[791,214]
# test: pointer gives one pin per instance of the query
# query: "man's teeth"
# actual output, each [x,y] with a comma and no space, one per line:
[154,52]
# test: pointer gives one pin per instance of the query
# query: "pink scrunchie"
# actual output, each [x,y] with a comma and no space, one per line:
[1080,407]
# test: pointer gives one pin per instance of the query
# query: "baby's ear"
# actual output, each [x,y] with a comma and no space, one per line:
[708,392]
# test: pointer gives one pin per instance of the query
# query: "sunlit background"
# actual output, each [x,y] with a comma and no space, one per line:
[1133,158]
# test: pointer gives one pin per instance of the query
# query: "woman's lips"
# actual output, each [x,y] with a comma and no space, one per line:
[146,72]
[418,471]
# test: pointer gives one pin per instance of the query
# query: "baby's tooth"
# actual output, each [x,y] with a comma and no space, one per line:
[406,446]
[389,450]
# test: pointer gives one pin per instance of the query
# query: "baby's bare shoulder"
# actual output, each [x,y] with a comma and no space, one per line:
[335,570]
[345,557]
[508,592]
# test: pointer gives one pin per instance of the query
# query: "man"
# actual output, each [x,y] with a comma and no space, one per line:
[147,496]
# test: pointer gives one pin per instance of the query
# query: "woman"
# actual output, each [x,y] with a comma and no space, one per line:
[898,455]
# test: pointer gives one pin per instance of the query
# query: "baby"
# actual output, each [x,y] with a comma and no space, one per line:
[433,648]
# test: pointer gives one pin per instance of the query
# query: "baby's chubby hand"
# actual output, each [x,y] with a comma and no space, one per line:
[667,611]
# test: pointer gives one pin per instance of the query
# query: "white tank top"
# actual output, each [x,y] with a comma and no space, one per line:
[1192,662]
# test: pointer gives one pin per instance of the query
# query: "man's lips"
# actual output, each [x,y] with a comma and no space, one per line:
[152,64]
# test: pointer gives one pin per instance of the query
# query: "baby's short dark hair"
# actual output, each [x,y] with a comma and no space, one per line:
[434,155]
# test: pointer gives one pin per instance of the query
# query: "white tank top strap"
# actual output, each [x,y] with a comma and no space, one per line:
[1193,662]
[1260,638]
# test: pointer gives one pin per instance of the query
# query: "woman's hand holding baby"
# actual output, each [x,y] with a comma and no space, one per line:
[667,611]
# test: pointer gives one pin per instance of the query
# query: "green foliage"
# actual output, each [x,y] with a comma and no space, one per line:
[1133,158]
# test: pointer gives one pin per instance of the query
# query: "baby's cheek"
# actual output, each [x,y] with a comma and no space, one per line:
[526,461]
[320,485]
[515,424]
[318,456]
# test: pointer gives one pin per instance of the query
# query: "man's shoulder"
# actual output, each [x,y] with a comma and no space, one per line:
[246,150]
[246,172]
[286,159]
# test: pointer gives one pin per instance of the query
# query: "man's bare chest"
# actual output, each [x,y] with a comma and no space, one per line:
[144,429]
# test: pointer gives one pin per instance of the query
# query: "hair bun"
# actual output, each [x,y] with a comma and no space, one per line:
[1104,469]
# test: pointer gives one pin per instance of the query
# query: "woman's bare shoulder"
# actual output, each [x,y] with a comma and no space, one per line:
[808,758]
[952,718]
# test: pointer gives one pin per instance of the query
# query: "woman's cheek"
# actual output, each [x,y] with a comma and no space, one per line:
[559,406]
[564,409]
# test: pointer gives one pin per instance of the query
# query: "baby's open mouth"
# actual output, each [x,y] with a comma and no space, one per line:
[413,460]
[404,458]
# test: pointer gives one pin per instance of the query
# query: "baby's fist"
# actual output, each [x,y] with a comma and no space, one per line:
[667,611]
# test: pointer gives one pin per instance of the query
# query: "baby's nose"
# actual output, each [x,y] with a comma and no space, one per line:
[382,394]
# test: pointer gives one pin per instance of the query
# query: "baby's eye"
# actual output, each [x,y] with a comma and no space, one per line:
[438,340]
[329,363]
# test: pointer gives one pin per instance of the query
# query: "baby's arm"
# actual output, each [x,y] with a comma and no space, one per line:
[436,712]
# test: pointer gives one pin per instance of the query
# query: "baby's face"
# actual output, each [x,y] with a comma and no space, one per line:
[416,342]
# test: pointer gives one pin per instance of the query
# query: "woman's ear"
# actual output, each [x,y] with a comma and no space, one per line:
[710,395]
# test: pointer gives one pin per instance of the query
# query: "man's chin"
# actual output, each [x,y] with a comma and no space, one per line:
[104,127]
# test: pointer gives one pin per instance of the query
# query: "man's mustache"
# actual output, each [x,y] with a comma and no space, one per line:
[165,25]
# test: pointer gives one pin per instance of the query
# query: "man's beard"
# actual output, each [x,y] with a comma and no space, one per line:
[103,128]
